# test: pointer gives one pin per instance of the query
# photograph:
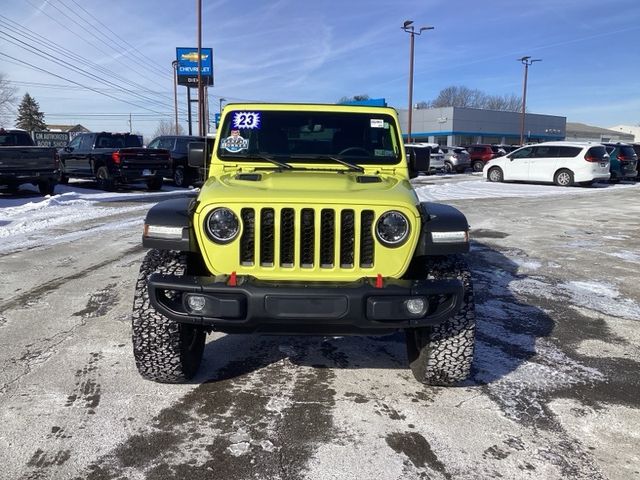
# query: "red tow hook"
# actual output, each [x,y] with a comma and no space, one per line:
[379,281]
[233,280]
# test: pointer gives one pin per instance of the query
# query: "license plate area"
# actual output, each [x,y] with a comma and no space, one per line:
[146,172]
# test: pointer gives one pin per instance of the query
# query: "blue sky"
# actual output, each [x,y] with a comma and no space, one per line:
[300,51]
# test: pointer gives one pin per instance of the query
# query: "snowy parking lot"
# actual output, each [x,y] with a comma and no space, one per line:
[555,391]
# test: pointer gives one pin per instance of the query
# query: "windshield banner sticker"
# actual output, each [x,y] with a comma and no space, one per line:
[383,153]
[377,123]
[250,120]
[234,142]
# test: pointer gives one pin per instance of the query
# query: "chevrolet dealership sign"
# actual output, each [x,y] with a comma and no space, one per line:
[188,66]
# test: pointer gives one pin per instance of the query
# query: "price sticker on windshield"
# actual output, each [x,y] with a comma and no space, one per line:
[249,120]
[377,123]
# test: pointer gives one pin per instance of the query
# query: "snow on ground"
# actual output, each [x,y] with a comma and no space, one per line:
[441,189]
[28,221]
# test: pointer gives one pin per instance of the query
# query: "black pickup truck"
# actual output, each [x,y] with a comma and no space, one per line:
[114,158]
[22,162]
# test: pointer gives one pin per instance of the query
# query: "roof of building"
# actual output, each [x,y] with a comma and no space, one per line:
[590,129]
[67,128]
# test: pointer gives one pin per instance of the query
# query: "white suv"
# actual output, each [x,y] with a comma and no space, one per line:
[563,163]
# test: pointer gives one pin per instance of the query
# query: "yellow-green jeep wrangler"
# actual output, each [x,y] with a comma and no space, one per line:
[306,224]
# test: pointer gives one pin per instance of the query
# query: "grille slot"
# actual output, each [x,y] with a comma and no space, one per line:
[287,237]
[267,227]
[367,245]
[347,239]
[327,238]
[248,239]
[307,238]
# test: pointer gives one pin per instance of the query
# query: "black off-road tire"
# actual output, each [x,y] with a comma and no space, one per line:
[104,179]
[155,183]
[164,350]
[443,354]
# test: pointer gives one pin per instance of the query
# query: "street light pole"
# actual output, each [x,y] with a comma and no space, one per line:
[221,100]
[409,28]
[174,64]
[526,61]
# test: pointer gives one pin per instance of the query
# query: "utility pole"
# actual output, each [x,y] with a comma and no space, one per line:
[526,61]
[201,122]
[408,27]
[130,123]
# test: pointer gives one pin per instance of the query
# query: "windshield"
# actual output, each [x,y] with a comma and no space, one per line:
[311,137]
[12,139]
[118,140]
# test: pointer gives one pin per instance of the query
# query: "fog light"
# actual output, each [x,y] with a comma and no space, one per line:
[415,306]
[196,303]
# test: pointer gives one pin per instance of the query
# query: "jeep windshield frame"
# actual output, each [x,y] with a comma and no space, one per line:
[310,137]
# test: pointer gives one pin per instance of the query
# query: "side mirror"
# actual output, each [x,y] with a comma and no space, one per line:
[195,154]
[419,161]
[68,149]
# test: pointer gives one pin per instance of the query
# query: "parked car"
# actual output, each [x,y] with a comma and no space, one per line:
[22,162]
[456,158]
[183,175]
[113,158]
[502,147]
[480,154]
[562,163]
[436,155]
[636,148]
[623,161]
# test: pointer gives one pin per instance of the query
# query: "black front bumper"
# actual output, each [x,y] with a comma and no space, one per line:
[311,307]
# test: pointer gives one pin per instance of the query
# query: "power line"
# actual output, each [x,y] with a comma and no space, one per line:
[52,46]
[76,83]
[121,41]
[54,59]
[84,38]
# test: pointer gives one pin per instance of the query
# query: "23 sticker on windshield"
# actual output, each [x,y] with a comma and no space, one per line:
[250,120]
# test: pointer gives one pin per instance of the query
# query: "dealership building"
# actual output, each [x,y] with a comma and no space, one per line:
[465,126]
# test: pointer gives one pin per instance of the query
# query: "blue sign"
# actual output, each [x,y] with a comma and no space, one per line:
[217,119]
[188,66]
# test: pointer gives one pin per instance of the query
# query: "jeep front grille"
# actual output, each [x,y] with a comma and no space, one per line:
[307,238]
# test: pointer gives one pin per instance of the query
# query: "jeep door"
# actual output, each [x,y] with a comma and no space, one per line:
[517,168]
[543,163]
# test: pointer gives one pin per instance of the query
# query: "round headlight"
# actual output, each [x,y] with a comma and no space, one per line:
[392,228]
[222,225]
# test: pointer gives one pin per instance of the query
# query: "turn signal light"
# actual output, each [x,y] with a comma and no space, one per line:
[115,156]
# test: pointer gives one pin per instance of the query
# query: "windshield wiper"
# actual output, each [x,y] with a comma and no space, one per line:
[272,160]
[353,167]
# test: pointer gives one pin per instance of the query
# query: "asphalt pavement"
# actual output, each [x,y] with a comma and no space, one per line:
[555,391]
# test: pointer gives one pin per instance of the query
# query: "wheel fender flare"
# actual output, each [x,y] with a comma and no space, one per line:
[438,217]
[176,217]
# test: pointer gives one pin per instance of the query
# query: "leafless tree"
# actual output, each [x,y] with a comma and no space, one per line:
[167,127]
[461,96]
[7,100]
[355,98]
